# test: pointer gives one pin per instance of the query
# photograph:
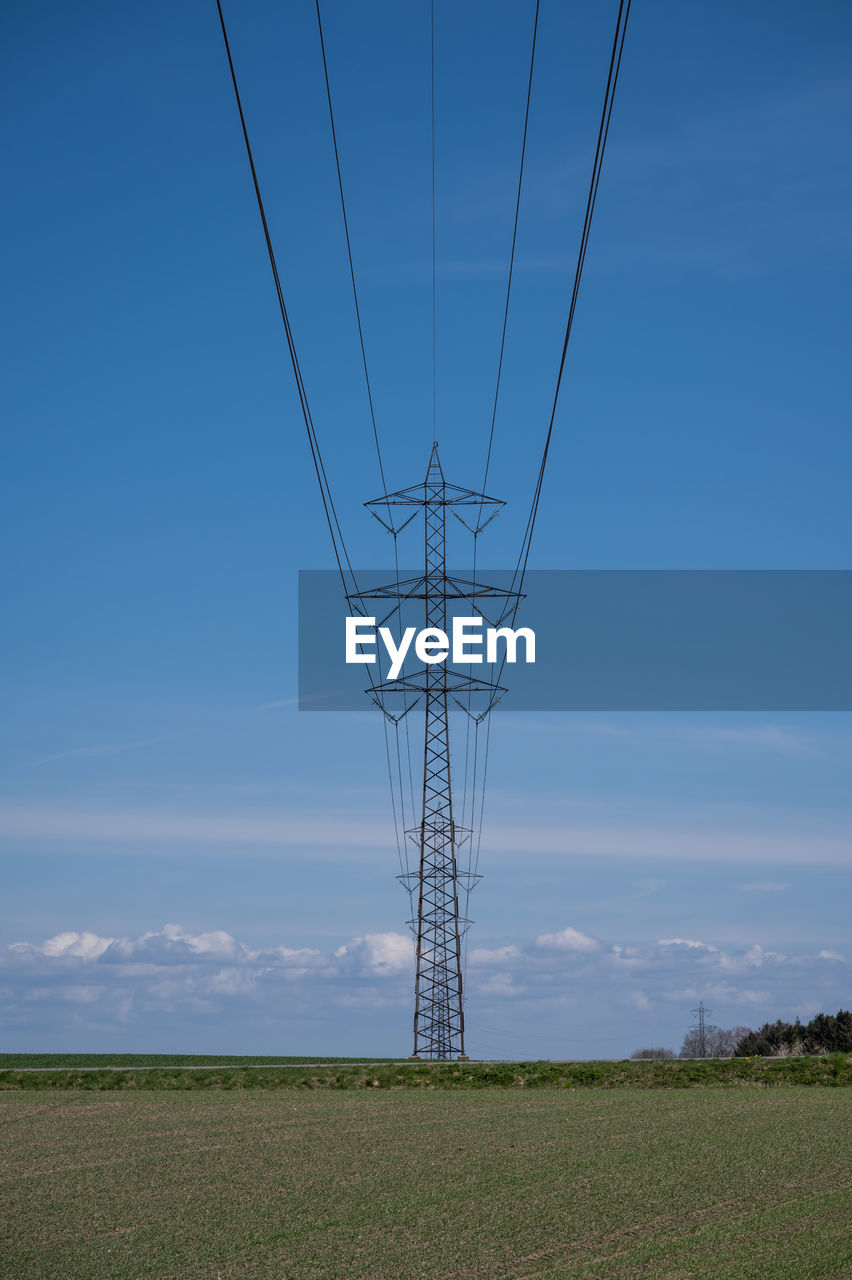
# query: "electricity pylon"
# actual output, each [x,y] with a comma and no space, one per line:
[439,926]
[701,1013]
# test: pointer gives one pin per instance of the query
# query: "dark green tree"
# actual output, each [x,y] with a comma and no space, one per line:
[825,1033]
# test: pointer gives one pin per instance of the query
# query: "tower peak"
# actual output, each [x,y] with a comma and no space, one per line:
[434,470]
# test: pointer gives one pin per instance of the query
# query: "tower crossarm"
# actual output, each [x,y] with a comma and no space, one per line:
[418,589]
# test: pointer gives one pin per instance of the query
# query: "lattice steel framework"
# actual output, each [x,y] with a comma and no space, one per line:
[438,1008]
[439,926]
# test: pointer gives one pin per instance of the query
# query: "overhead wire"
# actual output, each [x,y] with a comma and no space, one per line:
[603,133]
[338,541]
[482,795]
[349,252]
[332,519]
[434,241]
[520,569]
[477,833]
[523,558]
[391,525]
[402,867]
[511,256]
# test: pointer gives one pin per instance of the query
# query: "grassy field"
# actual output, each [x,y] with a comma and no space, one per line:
[88,1060]
[487,1184]
[833,1070]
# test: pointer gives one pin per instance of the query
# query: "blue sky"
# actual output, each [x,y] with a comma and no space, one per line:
[157,500]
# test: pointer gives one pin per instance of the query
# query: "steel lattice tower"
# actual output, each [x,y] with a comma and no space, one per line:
[439,926]
[438,1011]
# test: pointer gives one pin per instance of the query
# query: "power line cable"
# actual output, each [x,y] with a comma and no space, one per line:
[349,252]
[434,244]
[511,257]
[402,867]
[316,455]
[338,541]
[369,389]
[325,490]
[478,521]
[603,133]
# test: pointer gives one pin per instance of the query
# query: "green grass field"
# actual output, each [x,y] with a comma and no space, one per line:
[88,1060]
[100,1072]
[427,1184]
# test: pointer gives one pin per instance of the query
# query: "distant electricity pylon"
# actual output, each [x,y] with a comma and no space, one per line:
[700,1013]
[439,925]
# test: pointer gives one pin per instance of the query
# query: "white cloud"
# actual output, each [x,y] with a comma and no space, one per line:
[687,942]
[88,946]
[567,940]
[501,985]
[172,945]
[722,992]
[499,955]
[557,835]
[378,954]
[233,982]
[765,886]
[757,957]
[77,983]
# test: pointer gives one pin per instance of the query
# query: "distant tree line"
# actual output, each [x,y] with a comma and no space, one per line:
[826,1033]
[718,1043]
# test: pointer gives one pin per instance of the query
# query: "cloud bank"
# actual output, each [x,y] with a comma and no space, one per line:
[556,835]
[82,990]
